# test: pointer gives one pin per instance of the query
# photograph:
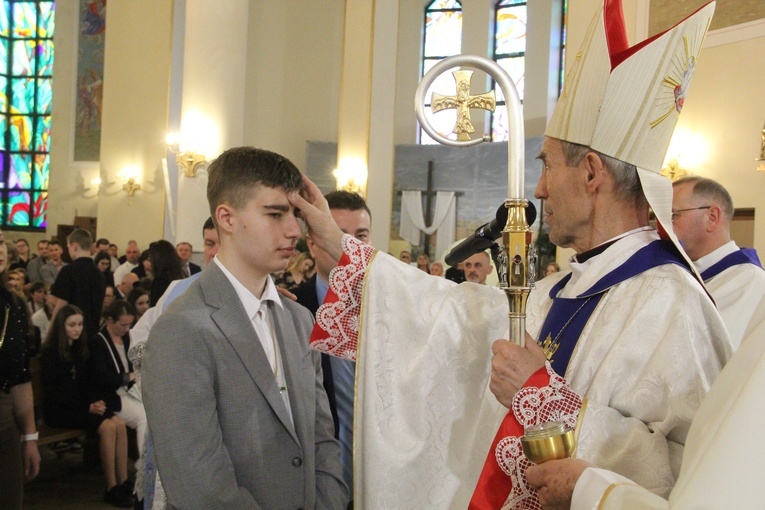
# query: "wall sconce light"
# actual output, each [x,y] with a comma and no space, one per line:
[94,189]
[129,178]
[351,176]
[761,160]
[188,156]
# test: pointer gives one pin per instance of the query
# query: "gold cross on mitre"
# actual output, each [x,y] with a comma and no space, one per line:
[463,102]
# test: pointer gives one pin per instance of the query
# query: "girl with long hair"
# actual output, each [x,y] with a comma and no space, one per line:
[63,362]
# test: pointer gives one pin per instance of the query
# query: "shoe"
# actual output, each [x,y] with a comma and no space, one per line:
[74,445]
[129,485]
[60,447]
[117,496]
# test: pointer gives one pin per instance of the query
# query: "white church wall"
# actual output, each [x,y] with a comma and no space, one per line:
[294,56]
[725,109]
[134,119]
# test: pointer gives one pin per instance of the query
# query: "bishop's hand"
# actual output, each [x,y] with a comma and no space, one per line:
[555,480]
[511,367]
[314,211]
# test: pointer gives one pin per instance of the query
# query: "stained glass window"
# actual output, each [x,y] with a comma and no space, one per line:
[26,65]
[442,38]
[510,53]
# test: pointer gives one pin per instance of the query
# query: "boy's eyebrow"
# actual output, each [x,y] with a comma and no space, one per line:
[278,207]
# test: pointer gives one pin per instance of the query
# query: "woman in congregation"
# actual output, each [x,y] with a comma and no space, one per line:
[139,298]
[296,273]
[112,375]
[103,262]
[19,459]
[144,267]
[67,404]
[167,268]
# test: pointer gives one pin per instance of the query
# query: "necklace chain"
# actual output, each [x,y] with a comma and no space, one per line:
[550,345]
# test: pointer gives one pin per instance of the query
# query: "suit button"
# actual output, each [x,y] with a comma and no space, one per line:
[297,462]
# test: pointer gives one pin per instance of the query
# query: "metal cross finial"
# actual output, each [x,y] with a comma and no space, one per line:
[463,102]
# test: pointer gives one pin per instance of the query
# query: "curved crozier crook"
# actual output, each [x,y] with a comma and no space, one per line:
[515,143]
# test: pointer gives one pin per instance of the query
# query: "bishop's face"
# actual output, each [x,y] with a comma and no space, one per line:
[567,208]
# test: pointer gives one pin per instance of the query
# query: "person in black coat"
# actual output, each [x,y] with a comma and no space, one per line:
[111,371]
[67,405]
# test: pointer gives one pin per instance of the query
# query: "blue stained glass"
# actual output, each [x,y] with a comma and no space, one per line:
[44,58]
[40,207]
[42,170]
[3,97]
[23,58]
[21,133]
[24,182]
[18,209]
[3,127]
[24,18]
[47,19]
[44,95]
[23,90]
[21,172]
[4,54]
[5,26]
[42,134]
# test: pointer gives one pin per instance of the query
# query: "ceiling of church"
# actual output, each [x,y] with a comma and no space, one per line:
[666,13]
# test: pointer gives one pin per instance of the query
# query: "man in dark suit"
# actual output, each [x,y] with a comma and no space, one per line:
[350,212]
[184,250]
[235,401]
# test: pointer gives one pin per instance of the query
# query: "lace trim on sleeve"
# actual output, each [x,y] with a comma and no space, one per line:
[545,397]
[336,331]
[554,401]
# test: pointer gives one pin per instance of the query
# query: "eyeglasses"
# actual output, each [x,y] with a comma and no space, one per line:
[675,211]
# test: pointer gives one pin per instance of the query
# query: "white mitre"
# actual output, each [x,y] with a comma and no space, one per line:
[624,101]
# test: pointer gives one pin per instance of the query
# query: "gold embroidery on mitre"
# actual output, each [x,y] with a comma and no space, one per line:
[678,79]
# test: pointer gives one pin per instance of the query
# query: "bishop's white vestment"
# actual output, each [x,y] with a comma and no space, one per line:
[425,417]
[738,288]
[724,455]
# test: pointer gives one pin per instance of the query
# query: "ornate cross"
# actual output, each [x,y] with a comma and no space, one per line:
[463,102]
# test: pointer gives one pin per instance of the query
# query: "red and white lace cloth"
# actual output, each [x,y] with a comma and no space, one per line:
[545,397]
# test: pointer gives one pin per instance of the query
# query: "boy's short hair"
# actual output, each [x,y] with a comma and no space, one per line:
[81,238]
[347,201]
[233,175]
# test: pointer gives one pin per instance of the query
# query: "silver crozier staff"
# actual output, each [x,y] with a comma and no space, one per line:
[516,261]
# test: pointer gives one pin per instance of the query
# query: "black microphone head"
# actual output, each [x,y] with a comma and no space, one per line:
[531,213]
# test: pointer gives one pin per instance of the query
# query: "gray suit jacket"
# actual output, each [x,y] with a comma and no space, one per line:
[221,431]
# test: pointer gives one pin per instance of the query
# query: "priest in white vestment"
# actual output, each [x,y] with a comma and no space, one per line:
[638,340]
[702,214]
[723,459]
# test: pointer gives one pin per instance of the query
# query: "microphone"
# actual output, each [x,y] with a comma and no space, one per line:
[484,236]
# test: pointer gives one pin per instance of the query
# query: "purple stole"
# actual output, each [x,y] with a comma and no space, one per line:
[742,256]
[568,316]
